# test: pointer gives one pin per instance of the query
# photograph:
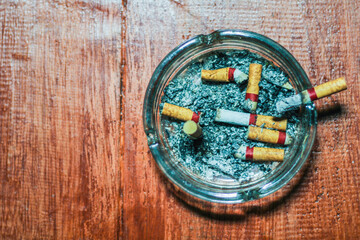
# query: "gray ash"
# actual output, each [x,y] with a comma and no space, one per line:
[212,157]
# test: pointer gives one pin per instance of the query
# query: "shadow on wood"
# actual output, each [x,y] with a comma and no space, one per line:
[329,111]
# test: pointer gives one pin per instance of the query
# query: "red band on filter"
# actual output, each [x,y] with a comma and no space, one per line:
[231,74]
[312,94]
[249,153]
[252,120]
[282,138]
[195,117]
[253,97]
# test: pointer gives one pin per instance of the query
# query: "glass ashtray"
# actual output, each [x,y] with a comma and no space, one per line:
[225,190]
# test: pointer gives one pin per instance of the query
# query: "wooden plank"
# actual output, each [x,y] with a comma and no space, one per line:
[60,111]
[324,201]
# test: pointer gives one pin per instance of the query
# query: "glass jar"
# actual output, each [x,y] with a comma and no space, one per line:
[226,191]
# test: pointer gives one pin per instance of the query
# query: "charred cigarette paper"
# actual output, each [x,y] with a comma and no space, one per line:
[192,130]
[309,95]
[181,113]
[287,85]
[268,136]
[260,154]
[252,90]
[278,79]
[246,119]
[224,75]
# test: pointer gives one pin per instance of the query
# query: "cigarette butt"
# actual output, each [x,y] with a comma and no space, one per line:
[268,136]
[180,113]
[312,94]
[246,119]
[252,90]
[192,130]
[327,89]
[260,154]
[224,75]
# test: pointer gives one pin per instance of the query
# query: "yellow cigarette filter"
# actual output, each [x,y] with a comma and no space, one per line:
[246,119]
[192,130]
[260,154]
[224,75]
[327,89]
[180,113]
[270,122]
[252,90]
[269,136]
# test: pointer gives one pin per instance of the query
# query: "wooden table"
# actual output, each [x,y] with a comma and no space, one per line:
[74,160]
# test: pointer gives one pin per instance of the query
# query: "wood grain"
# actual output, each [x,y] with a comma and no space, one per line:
[60,119]
[74,160]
